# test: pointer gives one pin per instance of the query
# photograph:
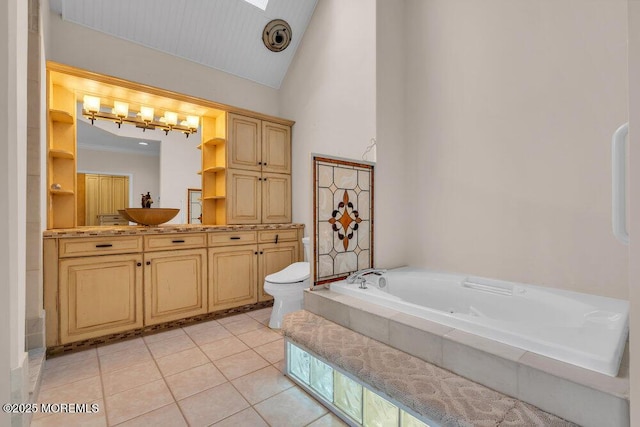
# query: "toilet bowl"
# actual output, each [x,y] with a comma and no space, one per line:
[287,287]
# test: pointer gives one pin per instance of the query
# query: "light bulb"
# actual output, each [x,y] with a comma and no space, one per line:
[91,104]
[120,109]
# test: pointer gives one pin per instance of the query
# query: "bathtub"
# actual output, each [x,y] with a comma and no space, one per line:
[584,330]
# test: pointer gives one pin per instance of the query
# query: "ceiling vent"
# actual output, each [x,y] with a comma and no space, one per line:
[277,35]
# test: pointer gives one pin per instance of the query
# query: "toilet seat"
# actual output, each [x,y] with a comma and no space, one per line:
[296,272]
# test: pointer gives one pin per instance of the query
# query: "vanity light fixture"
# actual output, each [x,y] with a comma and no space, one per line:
[145,119]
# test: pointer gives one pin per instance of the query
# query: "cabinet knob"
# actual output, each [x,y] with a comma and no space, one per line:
[139,264]
[259,163]
[264,164]
[259,179]
[261,252]
[255,253]
[264,179]
[148,263]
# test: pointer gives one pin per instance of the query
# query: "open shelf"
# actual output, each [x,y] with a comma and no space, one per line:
[213,197]
[214,169]
[61,116]
[212,142]
[61,154]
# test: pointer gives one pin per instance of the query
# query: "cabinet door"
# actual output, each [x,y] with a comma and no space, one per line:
[232,276]
[106,194]
[174,285]
[243,145]
[243,197]
[273,258]
[276,148]
[100,296]
[276,198]
[120,193]
[92,198]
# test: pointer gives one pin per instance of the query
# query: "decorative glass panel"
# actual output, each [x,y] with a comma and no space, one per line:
[408,420]
[347,395]
[343,211]
[322,378]
[299,363]
[378,412]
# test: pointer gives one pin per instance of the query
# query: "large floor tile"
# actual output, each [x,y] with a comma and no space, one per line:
[244,325]
[212,405]
[262,384]
[167,416]
[223,348]
[66,359]
[207,335]
[69,373]
[202,325]
[272,352]
[129,345]
[174,345]
[194,380]
[124,359]
[329,420]
[82,391]
[247,418]
[137,401]
[277,410]
[181,361]
[240,364]
[130,377]
[161,336]
[259,337]
[234,318]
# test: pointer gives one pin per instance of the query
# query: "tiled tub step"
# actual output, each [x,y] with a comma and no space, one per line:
[433,394]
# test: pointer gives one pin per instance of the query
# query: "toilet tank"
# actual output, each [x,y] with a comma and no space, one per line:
[305,243]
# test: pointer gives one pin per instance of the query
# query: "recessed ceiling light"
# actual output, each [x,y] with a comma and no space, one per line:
[262,4]
[143,143]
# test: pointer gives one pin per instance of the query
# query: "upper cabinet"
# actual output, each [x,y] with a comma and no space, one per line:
[259,176]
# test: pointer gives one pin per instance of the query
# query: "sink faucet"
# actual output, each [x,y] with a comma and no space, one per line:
[359,276]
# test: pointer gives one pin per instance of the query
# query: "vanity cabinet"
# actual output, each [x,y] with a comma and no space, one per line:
[233,273]
[99,295]
[174,285]
[101,285]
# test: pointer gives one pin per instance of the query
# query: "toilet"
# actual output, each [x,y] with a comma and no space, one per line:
[287,286]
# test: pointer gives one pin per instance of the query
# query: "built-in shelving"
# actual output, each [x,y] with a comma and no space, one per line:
[61,154]
[61,116]
[213,173]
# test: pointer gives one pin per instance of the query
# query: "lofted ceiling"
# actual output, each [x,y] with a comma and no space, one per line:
[222,34]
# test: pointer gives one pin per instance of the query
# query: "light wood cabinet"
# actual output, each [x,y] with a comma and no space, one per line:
[100,285]
[104,195]
[175,285]
[259,171]
[99,296]
[233,272]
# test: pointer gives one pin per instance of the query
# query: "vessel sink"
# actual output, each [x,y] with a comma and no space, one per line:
[149,216]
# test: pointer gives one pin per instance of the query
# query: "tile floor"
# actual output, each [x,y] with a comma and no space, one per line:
[225,372]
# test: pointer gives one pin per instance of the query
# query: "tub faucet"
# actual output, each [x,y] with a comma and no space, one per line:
[358,276]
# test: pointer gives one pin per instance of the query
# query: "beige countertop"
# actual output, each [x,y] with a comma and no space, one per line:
[127,230]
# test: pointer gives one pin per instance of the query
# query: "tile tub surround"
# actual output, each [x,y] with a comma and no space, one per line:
[576,394]
[225,372]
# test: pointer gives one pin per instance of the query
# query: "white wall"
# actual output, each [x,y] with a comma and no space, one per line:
[13,141]
[509,115]
[330,91]
[180,162]
[81,47]
[634,218]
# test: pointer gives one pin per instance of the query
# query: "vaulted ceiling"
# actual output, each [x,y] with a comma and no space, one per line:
[222,34]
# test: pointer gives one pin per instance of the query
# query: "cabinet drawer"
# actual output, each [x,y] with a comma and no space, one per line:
[99,246]
[269,236]
[232,238]
[175,241]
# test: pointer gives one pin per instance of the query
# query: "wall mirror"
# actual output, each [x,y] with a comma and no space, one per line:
[100,166]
